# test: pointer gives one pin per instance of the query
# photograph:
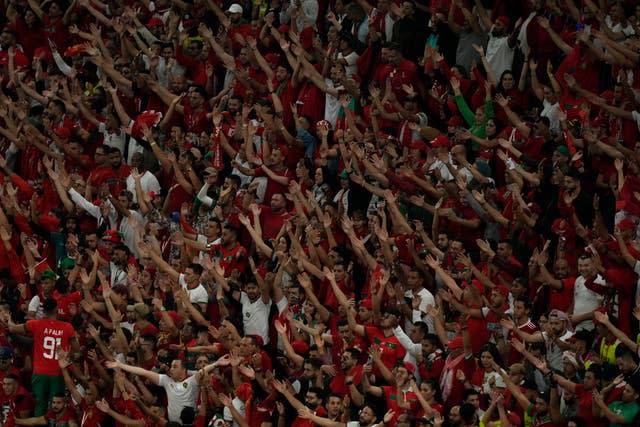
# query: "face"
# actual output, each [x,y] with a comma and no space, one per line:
[541,406]
[9,386]
[309,372]
[276,157]
[278,202]
[557,325]
[454,416]
[507,81]
[485,359]
[367,415]
[346,361]
[474,400]
[57,404]
[115,159]
[176,371]
[333,405]
[253,291]
[504,250]
[629,394]
[585,267]
[312,400]
[281,74]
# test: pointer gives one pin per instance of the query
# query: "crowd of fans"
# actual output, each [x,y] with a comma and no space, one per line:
[302,212]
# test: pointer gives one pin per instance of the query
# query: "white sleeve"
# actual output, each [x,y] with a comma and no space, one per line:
[406,342]
[202,196]
[34,304]
[163,380]
[91,209]
[62,66]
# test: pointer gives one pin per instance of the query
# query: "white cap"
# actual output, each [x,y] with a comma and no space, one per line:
[235,8]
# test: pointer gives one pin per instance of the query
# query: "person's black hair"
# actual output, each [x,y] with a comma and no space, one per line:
[188,416]
[189,156]
[354,352]
[236,180]
[50,305]
[197,268]
[468,413]
[60,105]
[626,353]
[113,150]
[122,247]
[433,383]
[318,392]
[424,328]
[62,285]
[200,90]
[433,339]
[578,421]
[596,370]
[127,334]
[469,392]
[525,301]
[545,120]
[314,362]
[493,350]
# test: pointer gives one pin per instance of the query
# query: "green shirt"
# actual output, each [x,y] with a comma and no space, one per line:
[627,410]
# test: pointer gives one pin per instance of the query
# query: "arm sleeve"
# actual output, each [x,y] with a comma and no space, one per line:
[406,342]
[466,112]
[202,196]
[79,200]
[62,66]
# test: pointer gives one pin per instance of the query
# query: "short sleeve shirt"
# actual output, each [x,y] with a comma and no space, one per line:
[180,394]
[197,295]
[49,335]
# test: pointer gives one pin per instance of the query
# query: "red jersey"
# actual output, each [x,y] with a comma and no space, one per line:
[49,335]
[62,419]
[90,416]
[392,397]
[391,351]
[67,304]
[230,259]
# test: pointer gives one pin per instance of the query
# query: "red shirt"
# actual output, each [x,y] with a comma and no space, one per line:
[561,300]
[274,187]
[392,398]
[90,416]
[391,351]
[585,404]
[9,407]
[271,222]
[67,304]
[62,419]
[48,336]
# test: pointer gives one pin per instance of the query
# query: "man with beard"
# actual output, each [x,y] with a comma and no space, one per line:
[501,45]
[60,414]
[367,418]
[348,378]
[560,284]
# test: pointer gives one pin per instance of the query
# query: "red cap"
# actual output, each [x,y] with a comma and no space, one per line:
[112,236]
[505,21]
[155,22]
[455,343]
[356,78]
[284,150]
[272,58]
[284,28]
[440,141]
[410,367]
[627,224]
[300,347]
[418,144]
[366,303]
[49,222]
[258,339]
[63,132]
[455,121]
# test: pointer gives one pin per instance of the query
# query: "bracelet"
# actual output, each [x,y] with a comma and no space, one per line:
[153,143]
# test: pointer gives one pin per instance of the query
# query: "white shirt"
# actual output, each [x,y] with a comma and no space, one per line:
[148,182]
[197,295]
[35,305]
[585,301]
[551,111]
[331,104]
[499,53]
[255,316]
[239,405]
[179,394]
[420,315]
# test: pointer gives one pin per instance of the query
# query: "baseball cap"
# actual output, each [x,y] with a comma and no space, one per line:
[112,236]
[440,141]
[455,343]
[48,274]
[211,171]
[626,224]
[235,8]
